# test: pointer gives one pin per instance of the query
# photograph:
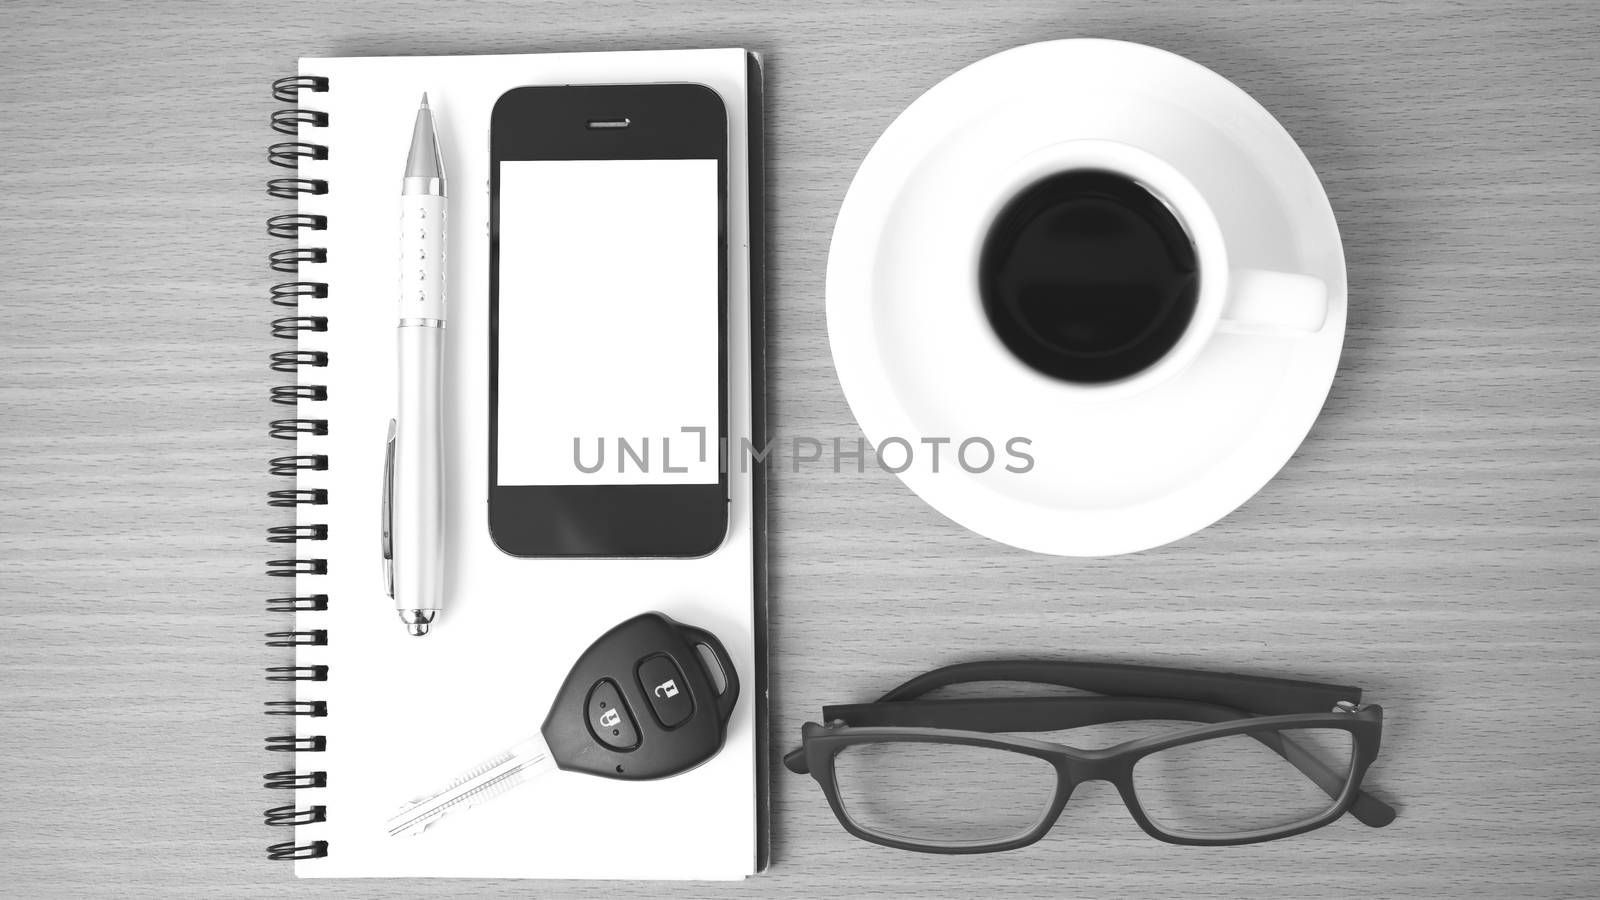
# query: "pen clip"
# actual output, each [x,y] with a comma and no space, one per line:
[388,512]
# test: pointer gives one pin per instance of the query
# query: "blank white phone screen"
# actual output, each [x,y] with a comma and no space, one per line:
[608,322]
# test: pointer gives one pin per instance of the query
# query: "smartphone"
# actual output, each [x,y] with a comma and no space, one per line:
[608,296]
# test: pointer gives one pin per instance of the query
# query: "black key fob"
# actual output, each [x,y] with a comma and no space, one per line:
[640,703]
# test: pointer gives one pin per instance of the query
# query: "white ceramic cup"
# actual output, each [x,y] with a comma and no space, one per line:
[1255,301]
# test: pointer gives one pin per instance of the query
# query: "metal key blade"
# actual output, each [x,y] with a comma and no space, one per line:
[490,779]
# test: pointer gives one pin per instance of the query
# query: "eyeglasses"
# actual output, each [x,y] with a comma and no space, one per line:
[1271,757]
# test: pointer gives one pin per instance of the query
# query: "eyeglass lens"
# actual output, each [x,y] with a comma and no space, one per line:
[1244,784]
[943,795]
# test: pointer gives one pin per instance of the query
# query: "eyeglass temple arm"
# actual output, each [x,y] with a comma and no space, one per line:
[1026,714]
[1248,693]
[1251,693]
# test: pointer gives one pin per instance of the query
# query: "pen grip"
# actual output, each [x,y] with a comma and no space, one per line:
[418,535]
[422,230]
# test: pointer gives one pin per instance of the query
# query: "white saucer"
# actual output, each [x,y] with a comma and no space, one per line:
[917,360]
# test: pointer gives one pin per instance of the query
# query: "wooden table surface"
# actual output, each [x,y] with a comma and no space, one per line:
[1434,539]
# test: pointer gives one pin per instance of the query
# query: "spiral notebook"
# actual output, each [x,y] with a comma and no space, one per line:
[380,717]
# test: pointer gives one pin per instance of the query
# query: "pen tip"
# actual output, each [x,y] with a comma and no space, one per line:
[417,620]
[424,99]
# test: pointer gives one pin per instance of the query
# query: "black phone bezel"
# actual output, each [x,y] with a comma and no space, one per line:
[664,121]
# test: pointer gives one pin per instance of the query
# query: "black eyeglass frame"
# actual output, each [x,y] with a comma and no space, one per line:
[1260,707]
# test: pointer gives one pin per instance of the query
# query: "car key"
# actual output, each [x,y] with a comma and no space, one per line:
[639,704]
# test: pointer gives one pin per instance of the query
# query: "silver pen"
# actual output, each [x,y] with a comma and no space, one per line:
[413,526]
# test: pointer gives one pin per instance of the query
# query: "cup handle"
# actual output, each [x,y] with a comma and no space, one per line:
[1277,303]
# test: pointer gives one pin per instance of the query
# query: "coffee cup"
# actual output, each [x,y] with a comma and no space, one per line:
[1102,267]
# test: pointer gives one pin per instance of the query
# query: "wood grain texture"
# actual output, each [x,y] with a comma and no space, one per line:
[1434,539]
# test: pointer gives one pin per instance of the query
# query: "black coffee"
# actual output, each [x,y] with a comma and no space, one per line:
[1088,277]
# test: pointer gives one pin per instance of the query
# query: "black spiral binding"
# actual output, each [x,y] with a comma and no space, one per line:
[289,294]
[302,497]
[294,261]
[292,394]
[287,534]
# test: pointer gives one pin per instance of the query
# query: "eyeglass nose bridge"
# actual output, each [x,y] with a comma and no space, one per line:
[1079,766]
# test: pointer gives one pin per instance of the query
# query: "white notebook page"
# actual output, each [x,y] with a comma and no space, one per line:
[405,714]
